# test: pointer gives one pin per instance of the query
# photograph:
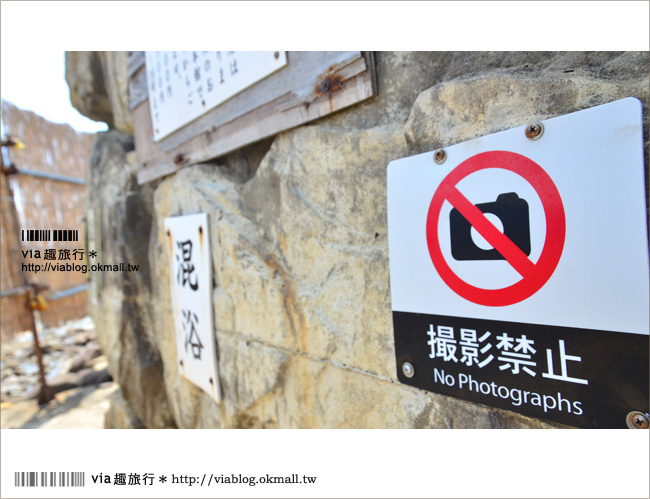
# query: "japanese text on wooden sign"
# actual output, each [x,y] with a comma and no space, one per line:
[186,85]
[191,289]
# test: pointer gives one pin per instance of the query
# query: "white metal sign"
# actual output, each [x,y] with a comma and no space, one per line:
[186,85]
[568,212]
[191,288]
[519,269]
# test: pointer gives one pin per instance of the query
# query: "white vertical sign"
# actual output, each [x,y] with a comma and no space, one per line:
[190,271]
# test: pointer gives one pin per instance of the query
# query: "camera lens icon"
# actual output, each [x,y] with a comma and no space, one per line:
[510,210]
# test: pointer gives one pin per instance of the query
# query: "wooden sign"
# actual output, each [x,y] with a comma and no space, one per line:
[309,86]
[186,85]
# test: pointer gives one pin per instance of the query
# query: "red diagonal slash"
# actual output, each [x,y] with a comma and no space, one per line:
[499,241]
[534,275]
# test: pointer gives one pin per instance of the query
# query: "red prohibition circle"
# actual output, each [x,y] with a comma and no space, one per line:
[534,275]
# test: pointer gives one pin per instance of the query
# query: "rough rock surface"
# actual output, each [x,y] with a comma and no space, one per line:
[122,313]
[85,77]
[120,414]
[117,88]
[98,83]
[456,111]
[301,296]
[301,291]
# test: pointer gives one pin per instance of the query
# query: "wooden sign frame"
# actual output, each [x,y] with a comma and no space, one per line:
[312,85]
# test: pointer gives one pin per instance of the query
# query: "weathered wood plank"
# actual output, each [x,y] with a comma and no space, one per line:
[335,77]
[135,62]
[345,80]
[372,69]
[138,87]
[301,74]
[156,171]
[146,151]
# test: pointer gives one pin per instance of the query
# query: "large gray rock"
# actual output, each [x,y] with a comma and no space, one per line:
[99,86]
[301,291]
[120,415]
[123,308]
[84,75]
[460,110]
[116,79]
[402,76]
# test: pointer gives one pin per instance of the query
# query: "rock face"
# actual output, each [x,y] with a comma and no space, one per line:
[451,112]
[301,291]
[123,309]
[85,77]
[120,414]
[117,88]
[98,83]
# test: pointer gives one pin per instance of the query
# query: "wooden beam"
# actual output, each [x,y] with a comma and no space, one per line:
[313,85]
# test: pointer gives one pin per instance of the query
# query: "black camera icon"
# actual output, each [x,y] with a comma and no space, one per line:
[514,215]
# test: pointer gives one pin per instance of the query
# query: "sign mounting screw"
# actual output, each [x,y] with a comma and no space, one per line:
[440,156]
[534,131]
[408,369]
[637,420]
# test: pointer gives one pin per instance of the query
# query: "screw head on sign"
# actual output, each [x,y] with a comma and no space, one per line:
[408,369]
[638,420]
[179,159]
[440,156]
[534,131]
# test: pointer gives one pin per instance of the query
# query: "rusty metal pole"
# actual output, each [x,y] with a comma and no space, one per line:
[45,393]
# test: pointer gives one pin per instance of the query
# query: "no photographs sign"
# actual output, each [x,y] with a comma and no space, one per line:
[519,269]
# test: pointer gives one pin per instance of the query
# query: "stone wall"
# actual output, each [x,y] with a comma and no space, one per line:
[299,245]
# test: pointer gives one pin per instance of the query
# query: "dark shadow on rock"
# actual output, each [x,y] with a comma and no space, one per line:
[54,408]
[71,380]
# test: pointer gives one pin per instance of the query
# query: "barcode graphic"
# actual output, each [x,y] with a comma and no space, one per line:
[47,235]
[49,479]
